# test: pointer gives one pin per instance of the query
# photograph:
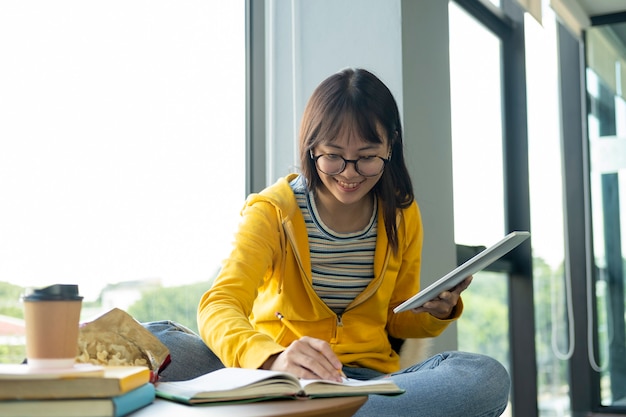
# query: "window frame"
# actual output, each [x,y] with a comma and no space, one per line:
[585,392]
[508,24]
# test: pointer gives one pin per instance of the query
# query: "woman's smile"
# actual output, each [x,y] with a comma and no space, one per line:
[348,186]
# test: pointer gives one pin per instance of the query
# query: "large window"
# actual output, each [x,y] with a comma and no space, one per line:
[483,96]
[606,92]
[477,138]
[122,127]
[552,287]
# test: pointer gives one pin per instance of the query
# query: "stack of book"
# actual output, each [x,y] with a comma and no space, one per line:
[84,390]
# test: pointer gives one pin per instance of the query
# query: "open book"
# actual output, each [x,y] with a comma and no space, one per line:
[457,275]
[247,385]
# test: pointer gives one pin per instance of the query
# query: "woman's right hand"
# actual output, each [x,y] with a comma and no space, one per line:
[307,358]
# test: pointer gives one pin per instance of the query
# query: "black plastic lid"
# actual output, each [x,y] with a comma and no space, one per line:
[57,292]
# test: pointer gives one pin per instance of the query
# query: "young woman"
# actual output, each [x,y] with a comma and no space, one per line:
[333,250]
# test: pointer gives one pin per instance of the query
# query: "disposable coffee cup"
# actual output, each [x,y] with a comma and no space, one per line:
[52,316]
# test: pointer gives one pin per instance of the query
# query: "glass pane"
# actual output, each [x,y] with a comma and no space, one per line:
[122,153]
[546,205]
[476,131]
[475,62]
[606,76]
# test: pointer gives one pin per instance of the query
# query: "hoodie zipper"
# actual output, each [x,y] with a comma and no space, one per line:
[338,330]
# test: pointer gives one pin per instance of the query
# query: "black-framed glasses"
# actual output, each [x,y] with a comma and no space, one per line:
[332,164]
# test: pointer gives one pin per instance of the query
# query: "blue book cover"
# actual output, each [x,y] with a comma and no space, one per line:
[119,406]
[133,400]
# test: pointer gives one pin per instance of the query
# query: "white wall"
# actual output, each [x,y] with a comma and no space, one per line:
[306,41]
[428,136]
[405,43]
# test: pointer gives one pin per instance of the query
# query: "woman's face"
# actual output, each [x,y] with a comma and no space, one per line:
[350,187]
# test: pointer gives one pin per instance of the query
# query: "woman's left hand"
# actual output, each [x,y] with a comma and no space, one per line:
[442,307]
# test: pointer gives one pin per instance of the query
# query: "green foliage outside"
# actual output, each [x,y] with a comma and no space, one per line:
[484,325]
[551,328]
[12,354]
[179,304]
[10,304]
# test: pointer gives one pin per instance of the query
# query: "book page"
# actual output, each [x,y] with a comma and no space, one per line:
[226,379]
[317,387]
[231,384]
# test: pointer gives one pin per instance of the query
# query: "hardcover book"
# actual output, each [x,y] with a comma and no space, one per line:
[20,382]
[117,406]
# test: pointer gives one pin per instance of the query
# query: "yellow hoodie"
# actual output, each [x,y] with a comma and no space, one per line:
[269,271]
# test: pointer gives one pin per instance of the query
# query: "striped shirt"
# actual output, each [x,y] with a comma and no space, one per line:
[342,264]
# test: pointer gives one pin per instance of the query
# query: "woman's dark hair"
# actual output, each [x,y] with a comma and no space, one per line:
[357,99]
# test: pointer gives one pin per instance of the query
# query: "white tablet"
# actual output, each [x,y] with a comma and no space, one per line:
[473,265]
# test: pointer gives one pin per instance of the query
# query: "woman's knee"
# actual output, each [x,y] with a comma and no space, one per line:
[490,377]
[190,356]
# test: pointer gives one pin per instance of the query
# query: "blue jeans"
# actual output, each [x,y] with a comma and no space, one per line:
[448,384]
[190,356]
